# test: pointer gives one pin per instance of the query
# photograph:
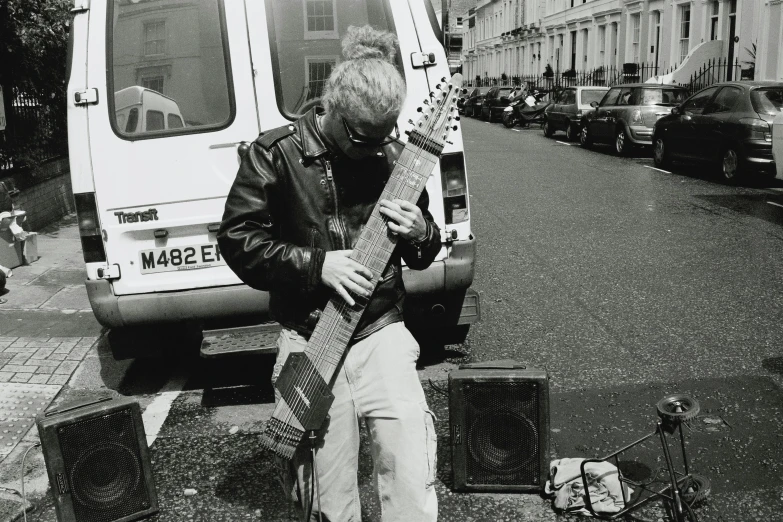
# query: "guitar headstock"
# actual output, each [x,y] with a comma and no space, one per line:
[438,114]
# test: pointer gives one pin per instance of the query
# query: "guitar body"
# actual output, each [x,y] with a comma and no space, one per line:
[304,380]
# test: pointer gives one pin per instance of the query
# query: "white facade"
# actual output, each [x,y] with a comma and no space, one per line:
[520,37]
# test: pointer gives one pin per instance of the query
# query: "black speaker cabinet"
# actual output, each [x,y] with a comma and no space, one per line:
[499,416]
[98,462]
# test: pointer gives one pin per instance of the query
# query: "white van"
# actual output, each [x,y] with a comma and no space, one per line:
[138,109]
[150,196]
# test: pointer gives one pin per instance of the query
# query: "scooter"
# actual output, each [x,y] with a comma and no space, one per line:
[526,110]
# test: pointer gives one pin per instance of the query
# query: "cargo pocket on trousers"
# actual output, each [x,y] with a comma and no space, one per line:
[431,444]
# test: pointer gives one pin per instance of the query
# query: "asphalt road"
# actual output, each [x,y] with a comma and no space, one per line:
[624,282]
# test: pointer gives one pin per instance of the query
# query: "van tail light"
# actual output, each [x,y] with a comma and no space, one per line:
[455,187]
[89,228]
[758,129]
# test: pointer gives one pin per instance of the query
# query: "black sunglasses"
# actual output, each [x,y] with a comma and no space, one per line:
[361,141]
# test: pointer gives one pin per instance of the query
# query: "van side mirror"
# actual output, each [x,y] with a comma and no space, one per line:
[594,104]
[675,110]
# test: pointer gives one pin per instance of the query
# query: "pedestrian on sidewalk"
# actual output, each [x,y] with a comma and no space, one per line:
[299,202]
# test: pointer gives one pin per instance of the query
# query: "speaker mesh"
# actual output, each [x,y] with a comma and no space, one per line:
[105,476]
[501,421]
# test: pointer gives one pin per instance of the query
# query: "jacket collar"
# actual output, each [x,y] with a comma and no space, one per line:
[312,142]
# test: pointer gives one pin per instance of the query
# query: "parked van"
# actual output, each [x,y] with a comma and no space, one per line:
[138,109]
[204,78]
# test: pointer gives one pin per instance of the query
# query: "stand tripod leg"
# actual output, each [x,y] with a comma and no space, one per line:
[678,511]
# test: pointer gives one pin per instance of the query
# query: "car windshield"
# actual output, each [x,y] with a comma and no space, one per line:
[650,96]
[592,95]
[767,100]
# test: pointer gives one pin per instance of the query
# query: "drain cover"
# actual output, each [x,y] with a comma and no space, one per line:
[246,340]
[19,405]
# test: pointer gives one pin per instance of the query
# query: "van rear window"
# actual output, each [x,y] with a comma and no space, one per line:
[306,44]
[168,66]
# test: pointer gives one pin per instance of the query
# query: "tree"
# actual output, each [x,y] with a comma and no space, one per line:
[33,48]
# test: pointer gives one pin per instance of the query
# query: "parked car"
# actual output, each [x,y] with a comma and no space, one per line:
[496,99]
[472,106]
[626,115]
[727,124]
[777,144]
[566,113]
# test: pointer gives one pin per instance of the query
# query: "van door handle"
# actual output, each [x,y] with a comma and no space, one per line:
[242,147]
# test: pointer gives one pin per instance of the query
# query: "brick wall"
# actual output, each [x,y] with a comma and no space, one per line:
[48,201]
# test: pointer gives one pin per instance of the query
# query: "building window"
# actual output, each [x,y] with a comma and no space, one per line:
[153,82]
[318,71]
[714,20]
[320,19]
[154,38]
[636,22]
[602,45]
[685,31]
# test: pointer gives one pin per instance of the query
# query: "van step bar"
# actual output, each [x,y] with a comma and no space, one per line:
[245,340]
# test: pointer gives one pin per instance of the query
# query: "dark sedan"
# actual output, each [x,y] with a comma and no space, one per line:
[727,124]
[496,99]
[472,105]
[627,113]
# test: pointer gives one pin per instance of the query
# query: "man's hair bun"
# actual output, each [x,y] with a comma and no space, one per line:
[366,42]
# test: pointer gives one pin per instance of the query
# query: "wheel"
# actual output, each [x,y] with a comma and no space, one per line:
[584,138]
[621,144]
[678,408]
[548,132]
[571,133]
[661,154]
[509,120]
[695,489]
[730,165]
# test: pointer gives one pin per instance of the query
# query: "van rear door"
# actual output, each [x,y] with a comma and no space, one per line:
[173,82]
[303,45]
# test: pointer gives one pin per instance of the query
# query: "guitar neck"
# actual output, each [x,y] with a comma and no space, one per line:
[373,249]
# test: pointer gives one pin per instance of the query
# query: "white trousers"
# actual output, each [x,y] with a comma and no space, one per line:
[378,383]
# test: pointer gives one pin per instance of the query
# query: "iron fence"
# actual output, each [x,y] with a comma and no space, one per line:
[711,72]
[35,132]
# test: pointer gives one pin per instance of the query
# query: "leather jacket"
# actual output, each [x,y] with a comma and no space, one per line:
[292,201]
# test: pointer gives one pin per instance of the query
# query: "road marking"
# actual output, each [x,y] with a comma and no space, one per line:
[516,130]
[776,204]
[563,143]
[155,414]
[659,170]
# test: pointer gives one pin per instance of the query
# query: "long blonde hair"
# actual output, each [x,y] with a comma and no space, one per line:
[366,86]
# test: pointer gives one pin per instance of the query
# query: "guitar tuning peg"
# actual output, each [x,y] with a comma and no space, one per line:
[426,102]
[407,133]
[432,109]
[411,122]
[432,94]
[418,109]
[437,86]
[443,79]
[456,118]
[454,99]
[454,128]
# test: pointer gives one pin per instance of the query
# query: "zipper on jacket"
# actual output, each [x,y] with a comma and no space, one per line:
[341,233]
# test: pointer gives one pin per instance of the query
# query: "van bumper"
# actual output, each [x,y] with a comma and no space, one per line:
[443,281]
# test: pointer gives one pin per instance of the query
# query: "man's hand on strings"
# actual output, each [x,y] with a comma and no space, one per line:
[344,275]
[405,219]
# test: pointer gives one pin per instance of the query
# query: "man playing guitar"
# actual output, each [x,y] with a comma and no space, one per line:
[301,199]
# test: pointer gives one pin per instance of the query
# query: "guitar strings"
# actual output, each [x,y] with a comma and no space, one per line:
[340,307]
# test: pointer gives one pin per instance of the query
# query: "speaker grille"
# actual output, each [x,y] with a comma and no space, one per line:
[106,476]
[501,421]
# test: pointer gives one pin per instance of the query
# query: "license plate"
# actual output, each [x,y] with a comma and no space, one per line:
[173,259]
